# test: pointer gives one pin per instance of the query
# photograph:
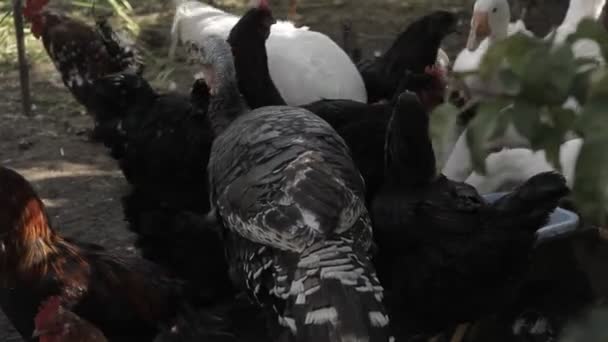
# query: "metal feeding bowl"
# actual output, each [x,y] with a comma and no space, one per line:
[561,222]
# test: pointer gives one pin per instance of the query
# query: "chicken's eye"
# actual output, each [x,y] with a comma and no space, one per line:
[494,10]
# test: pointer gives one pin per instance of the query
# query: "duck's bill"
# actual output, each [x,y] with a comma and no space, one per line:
[480,29]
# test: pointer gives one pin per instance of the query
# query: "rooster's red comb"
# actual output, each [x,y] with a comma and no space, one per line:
[436,70]
[33,7]
[260,4]
[47,309]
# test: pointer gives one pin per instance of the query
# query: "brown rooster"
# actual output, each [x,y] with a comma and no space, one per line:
[54,323]
[126,298]
[81,53]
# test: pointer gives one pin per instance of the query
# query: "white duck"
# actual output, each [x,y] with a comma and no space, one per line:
[306,66]
[509,168]
[490,23]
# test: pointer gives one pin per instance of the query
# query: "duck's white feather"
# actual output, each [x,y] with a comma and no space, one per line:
[305,65]
[512,167]
[458,165]
[577,11]
[469,61]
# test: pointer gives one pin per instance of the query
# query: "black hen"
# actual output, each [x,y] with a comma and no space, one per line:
[233,320]
[292,201]
[162,143]
[414,50]
[445,255]
[351,119]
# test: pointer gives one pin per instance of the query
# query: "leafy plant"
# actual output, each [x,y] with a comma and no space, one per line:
[536,77]
[122,8]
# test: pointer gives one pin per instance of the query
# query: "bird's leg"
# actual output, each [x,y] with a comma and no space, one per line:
[603,232]
[460,332]
[436,338]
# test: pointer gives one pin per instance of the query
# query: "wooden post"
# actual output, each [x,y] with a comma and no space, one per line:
[23,67]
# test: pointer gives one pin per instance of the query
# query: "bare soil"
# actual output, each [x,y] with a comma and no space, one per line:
[79,182]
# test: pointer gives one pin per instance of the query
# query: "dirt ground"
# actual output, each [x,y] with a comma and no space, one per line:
[79,182]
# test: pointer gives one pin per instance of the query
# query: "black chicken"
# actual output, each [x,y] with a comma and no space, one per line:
[413,49]
[351,119]
[81,53]
[162,143]
[233,320]
[124,297]
[444,254]
[291,199]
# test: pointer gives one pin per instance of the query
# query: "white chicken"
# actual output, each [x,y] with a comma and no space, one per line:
[305,65]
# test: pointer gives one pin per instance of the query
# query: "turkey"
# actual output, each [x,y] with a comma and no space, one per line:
[351,119]
[298,234]
[445,256]
[81,53]
[323,69]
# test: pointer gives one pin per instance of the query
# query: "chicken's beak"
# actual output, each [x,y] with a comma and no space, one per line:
[210,78]
[480,29]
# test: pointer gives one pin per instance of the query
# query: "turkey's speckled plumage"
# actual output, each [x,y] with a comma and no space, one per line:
[292,153]
[287,190]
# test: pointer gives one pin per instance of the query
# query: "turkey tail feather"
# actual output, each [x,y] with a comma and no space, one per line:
[334,295]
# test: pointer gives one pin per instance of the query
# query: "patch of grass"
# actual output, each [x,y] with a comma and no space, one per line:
[8,43]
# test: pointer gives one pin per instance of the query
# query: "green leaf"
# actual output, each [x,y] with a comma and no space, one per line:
[503,119]
[512,50]
[581,85]
[590,29]
[549,75]
[551,129]
[525,118]
[593,120]
[550,142]
[563,120]
[486,125]
[510,81]
[599,84]
[123,12]
[591,179]
[442,130]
